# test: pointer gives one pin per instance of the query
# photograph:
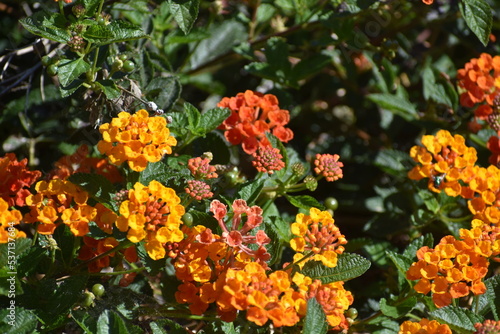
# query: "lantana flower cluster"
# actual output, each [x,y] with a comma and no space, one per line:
[455,267]
[254,114]
[317,234]
[15,180]
[137,139]
[449,165]
[9,220]
[424,326]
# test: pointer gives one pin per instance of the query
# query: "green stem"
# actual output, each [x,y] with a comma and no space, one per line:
[61,7]
[99,10]
[138,270]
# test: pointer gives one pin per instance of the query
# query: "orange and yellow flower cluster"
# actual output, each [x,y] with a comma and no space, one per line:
[136,138]
[449,165]
[59,201]
[487,327]
[252,116]
[455,267]
[152,213]
[328,166]
[424,326]
[317,233]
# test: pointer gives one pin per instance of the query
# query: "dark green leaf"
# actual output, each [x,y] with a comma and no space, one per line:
[459,319]
[430,200]
[98,34]
[110,322]
[96,185]
[115,32]
[47,25]
[376,250]
[212,118]
[315,321]
[69,70]
[194,116]
[398,105]
[185,13]
[349,266]
[250,190]
[402,262]
[395,308]
[392,161]
[477,14]
[109,89]
[166,326]
[90,6]
[280,226]
[305,202]
[165,91]
[424,240]
[24,322]
[491,298]
[434,90]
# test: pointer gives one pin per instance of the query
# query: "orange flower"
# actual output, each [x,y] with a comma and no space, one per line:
[200,168]
[252,116]
[152,213]
[137,138]
[198,190]
[9,219]
[268,159]
[454,268]
[424,326]
[59,201]
[317,233]
[487,327]
[15,180]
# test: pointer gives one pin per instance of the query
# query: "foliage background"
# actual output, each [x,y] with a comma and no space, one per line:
[364,79]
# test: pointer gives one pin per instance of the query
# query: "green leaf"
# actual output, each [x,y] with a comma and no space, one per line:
[430,200]
[349,266]
[194,116]
[402,262]
[96,185]
[250,190]
[280,226]
[165,91]
[459,319]
[411,250]
[212,118]
[90,6]
[477,14]
[70,70]
[395,308]
[396,104]
[110,322]
[166,326]
[115,32]
[315,321]
[392,161]
[47,25]
[153,267]
[185,13]
[433,90]
[24,322]
[491,297]
[305,202]
[109,89]
[376,250]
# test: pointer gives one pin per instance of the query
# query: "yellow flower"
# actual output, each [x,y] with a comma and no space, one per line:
[9,219]
[152,213]
[136,138]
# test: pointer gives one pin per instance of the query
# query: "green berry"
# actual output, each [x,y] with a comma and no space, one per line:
[52,70]
[187,218]
[128,66]
[98,290]
[46,61]
[123,57]
[101,21]
[352,313]
[331,203]
[88,299]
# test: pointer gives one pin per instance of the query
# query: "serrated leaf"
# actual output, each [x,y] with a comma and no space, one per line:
[477,14]
[280,226]
[430,200]
[185,13]
[392,161]
[315,321]
[98,34]
[160,327]
[109,89]
[305,202]
[395,104]
[69,70]
[47,25]
[194,116]
[212,118]
[90,6]
[491,297]
[434,90]
[349,266]
[96,185]
[115,32]
[459,319]
[250,190]
[401,262]
[411,250]
[110,322]
[24,322]
[376,250]
[396,308]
